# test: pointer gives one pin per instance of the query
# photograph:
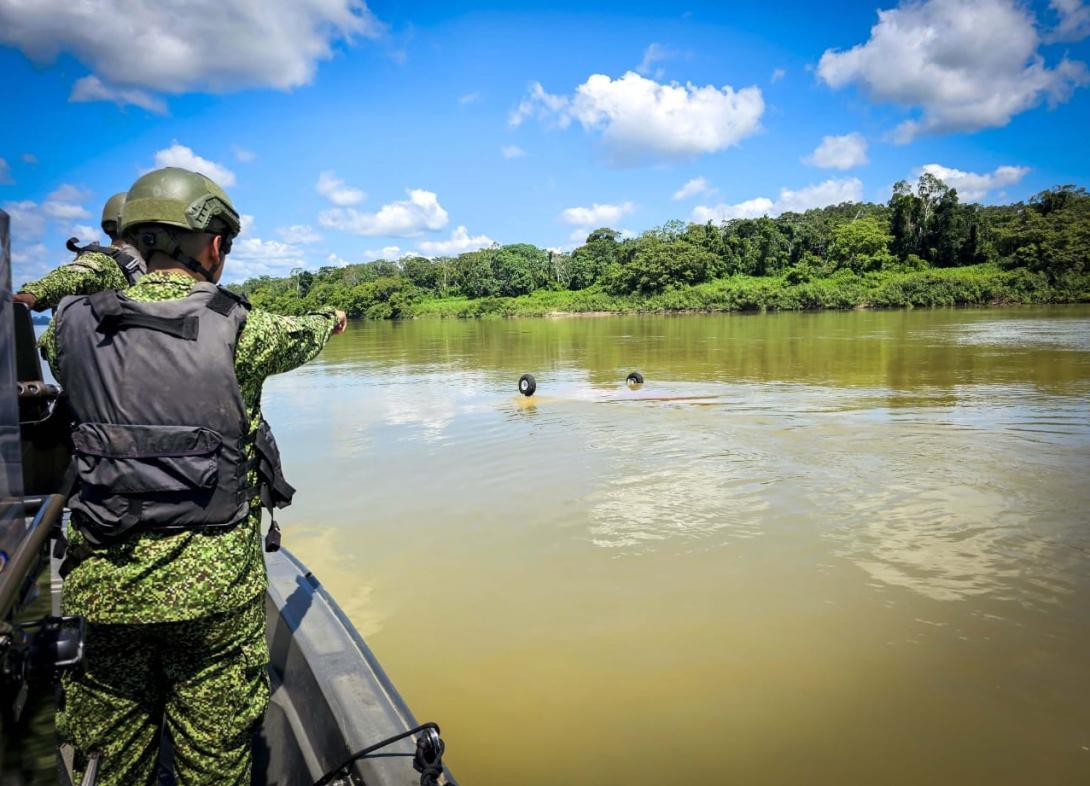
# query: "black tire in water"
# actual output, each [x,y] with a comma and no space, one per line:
[634,378]
[527,384]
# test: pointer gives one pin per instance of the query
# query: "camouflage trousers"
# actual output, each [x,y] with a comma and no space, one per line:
[204,681]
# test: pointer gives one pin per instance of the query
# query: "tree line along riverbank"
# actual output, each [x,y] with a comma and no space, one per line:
[923,248]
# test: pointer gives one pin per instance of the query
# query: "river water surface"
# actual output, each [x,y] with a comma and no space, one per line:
[836,548]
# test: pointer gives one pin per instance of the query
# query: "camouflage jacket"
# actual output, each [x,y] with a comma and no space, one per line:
[172,577]
[88,273]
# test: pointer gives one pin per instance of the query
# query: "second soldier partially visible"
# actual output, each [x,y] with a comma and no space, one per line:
[95,268]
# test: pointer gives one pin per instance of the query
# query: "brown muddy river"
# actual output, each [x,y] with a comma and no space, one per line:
[841,548]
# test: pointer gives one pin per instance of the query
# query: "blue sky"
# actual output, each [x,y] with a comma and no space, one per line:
[441,127]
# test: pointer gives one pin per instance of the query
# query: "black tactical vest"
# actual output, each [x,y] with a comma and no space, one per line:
[160,426]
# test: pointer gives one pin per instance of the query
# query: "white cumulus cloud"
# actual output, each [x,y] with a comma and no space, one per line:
[212,45]
[406,218]
[460,241]
[751,208]
[642,120]
[587,219]
[655,53]
[386,252]
[830,192]
[335,190]
[242,154]
[5,173]
[256,248]
[299,234]
[972,187]
[65,203]
[181,156]
[36,255]
[27,219]
[512,151]
[1074,22]
[253,256]
[66,192]
[389,253]
[596,215]
[91,88]
[84,233]
[839,152]
[966,64]
[695,187]
[540,104]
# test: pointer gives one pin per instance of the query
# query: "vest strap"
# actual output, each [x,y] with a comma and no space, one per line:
[104,303]
[73,557]
[180,327]
[130,268]
[131,517]
[222,303]
[128,264]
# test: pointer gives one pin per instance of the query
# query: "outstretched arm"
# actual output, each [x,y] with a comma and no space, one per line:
[86,275]
[272,344]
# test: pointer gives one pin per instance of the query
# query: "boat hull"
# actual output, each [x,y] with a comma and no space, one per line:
[330,696]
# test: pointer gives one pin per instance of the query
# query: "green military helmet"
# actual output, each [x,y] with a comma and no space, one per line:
[180,198]
[111,214]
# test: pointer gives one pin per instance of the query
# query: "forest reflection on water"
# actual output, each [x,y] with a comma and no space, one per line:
[813,548]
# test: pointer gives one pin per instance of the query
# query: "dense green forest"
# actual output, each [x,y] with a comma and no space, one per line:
[923,248]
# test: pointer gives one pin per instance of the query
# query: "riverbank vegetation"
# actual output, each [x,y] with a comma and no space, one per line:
[923,248]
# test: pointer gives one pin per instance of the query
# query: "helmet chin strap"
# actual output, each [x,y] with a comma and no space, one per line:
[174,251]
[189,263]
[215,269]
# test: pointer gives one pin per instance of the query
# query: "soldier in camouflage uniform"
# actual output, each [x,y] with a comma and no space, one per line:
[176,619]
[92,271]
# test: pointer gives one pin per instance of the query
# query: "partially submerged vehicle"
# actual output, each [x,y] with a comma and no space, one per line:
[334,715]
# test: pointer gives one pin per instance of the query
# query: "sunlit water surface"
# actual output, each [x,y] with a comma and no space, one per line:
[844,548]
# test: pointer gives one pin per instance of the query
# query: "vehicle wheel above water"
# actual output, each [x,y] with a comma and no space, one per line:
[634,378]
[527,384]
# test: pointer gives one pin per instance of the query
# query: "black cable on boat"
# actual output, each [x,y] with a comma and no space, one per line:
[428,759]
